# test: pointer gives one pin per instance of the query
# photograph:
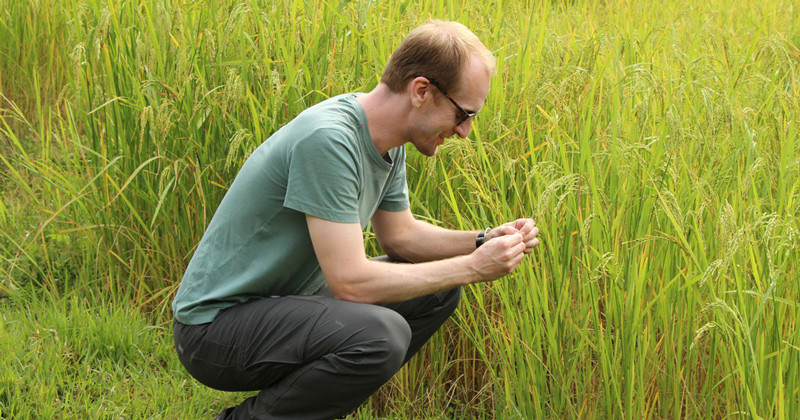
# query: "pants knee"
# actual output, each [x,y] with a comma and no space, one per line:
[448,301]
[390,336]
[452,299]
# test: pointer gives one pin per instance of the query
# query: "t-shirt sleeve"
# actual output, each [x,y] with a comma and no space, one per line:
[322,179]
[396,197]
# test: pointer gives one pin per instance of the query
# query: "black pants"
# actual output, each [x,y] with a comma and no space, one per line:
[312,357]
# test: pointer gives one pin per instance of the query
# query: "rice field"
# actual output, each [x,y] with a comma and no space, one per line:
[657,144]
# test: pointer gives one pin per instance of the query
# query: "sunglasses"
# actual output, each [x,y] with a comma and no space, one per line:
[464,114]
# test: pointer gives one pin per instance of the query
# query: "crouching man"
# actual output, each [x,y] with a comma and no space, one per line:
[280,297]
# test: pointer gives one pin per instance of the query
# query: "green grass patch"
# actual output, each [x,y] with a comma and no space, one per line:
[89,357]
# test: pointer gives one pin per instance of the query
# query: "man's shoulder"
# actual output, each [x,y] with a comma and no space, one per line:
[338,107]
[338,120]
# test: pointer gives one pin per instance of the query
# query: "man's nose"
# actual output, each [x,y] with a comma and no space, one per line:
[463,129]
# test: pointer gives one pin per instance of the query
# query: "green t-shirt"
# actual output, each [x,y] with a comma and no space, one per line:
[322,163]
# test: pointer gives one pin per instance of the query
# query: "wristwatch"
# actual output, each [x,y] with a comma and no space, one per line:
[481,237]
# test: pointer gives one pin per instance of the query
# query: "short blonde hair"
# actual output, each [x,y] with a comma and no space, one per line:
[438,50]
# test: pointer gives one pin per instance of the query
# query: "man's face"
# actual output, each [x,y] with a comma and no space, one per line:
[441,118]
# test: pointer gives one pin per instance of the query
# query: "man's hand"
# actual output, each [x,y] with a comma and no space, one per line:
[525,227]
[499,256]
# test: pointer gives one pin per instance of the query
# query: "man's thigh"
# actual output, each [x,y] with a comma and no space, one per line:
[255,344]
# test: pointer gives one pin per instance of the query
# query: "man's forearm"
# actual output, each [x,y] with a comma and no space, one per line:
[384,282]
[422,241]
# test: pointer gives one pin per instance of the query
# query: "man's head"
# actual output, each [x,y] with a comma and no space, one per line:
[433,85]
[436,50]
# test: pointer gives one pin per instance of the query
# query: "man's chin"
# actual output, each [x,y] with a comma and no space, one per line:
[436,146]
[428,151]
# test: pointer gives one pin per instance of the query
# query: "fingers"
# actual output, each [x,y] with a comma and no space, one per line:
[531,240]
[525,227]
[513,238]
[500,231]
[507,248]
[501,256]
[529,245]
[515,245]
[512,256]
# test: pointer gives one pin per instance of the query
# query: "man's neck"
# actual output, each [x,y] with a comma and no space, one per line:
[384,110]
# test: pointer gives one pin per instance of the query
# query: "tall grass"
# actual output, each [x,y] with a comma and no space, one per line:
[656,144]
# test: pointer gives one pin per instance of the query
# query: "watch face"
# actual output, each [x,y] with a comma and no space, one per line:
[480,239]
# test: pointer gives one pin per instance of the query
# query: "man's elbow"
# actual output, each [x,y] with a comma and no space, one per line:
[349,292]
[394,256]
[395,251]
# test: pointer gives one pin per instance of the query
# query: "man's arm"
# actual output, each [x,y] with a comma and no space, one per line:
[351,276]
[404,238]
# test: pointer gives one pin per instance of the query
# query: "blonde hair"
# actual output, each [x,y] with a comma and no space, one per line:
[438,50]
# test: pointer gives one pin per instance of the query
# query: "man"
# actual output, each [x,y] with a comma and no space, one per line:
[280,296]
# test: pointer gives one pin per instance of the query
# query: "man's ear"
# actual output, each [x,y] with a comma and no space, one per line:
[419,90]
